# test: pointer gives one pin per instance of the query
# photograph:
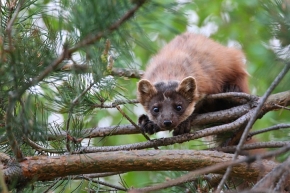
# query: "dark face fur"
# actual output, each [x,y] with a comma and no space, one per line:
[168,104]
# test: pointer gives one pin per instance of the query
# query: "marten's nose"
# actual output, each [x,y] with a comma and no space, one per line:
[167,123]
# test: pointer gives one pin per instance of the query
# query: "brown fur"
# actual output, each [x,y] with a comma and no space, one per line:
[183,72]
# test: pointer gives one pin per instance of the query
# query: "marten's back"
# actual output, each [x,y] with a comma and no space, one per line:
[215,67]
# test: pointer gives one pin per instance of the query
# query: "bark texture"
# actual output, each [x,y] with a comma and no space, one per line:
[47,168]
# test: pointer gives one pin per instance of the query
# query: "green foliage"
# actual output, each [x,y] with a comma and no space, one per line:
[43,29]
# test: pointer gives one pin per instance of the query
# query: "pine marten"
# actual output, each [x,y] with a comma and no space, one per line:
[187,69]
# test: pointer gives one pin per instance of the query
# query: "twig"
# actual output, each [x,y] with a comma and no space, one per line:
[40,148]
[129,119]
[231,94]
[282,107]
[115,103]
[76,100]
[105,184]
[121,72]
[51,185]
[67,143]
[275,127]
[257,145]
[283,181]
[130,73]
[252,121]
[73,104]
[135,125]
[9,130]
[96,175]
[11,22]
[12,96]
[99,175]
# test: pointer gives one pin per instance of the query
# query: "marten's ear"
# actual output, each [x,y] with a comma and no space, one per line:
[187,88]
[145,91]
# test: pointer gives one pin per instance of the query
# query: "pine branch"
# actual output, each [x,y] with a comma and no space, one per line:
[115,103]
[130,73]
[16,94]
[145,160]
[93,38]
[40,148]
[67,52]
[9,131]
[9,112]
[213,168]
[121,72]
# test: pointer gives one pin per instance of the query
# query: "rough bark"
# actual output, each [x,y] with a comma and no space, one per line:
[43,168]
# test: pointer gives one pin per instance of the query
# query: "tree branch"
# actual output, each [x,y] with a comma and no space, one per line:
[213,168]
[121,161]
[250,146]
[272,128]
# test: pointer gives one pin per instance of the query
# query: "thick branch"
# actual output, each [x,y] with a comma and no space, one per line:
[210,169]
[48,168]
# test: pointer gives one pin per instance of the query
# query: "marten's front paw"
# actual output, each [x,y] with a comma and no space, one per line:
[182,128]
[146,125]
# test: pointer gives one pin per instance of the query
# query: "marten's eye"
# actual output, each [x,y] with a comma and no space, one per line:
[178,107]
[155,109]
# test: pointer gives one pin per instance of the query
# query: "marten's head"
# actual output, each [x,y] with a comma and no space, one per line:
[168,104]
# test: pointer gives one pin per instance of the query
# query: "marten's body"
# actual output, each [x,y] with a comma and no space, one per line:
[182,73]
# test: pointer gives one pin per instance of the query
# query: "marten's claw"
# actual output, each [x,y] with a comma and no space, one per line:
[182,128]
[147,126]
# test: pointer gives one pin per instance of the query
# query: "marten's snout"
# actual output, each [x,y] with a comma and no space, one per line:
[167,123]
